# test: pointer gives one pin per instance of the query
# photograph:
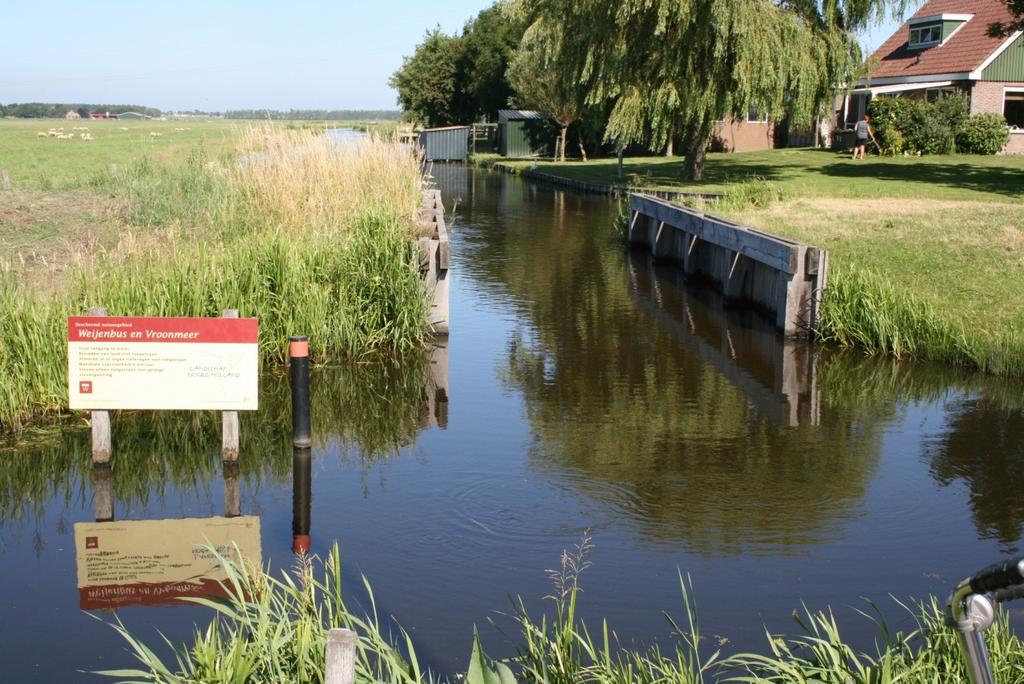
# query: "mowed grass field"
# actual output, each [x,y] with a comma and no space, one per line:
[964,258]
[43,163]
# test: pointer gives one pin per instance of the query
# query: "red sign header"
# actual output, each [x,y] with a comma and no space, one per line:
[181,330]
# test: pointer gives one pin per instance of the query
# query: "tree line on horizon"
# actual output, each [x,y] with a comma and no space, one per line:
[44,110]
[315,114]
[644,74]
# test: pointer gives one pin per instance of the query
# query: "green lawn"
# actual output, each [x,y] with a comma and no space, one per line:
[815,173]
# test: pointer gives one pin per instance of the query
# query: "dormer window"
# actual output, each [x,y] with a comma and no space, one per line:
[925,36]
[935,29]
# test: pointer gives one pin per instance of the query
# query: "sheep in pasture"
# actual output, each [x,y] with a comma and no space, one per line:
[40,134]
[154,134]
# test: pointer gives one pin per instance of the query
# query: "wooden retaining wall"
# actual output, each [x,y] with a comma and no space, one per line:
[434,254]
[780,276]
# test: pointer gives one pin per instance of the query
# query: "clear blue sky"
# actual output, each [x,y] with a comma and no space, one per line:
[218,55]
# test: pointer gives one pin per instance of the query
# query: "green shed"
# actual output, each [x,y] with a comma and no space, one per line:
[524,133]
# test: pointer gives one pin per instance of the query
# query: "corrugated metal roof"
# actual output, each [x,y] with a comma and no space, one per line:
[443,128]
[522,115]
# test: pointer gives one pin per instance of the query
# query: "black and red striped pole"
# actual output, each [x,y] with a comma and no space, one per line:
[298,353]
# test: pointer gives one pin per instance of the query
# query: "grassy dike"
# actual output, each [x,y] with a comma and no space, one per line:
[925,252]
[308,235]
[273,629]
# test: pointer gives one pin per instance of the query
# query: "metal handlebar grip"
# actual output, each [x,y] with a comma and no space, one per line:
[998,576]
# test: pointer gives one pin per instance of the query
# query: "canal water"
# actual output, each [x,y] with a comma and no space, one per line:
[583,388]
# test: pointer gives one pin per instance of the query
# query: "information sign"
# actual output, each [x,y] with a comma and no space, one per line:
[163,363]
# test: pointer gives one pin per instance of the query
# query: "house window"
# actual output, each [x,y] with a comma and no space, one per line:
[922,36]
[1013,109]
[753,116]
[936,94]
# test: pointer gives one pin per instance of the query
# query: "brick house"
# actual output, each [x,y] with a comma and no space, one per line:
[946,47]
[744,134]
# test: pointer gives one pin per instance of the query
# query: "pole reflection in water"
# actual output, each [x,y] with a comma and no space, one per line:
[302,498]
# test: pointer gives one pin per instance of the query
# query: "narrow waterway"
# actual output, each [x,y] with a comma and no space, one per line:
[583,388]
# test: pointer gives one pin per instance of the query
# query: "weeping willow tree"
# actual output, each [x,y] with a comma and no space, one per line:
[539,83]
[670,67]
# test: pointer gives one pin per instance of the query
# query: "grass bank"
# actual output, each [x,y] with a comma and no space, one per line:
[274,629]
[308,235]
[926,252]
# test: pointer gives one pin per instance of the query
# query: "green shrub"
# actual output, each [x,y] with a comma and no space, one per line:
[905,125]
[930,132]
[983,134]
[954,108]
[890,118]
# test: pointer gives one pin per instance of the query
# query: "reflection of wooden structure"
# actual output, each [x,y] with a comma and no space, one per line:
[779,275]
[148,562]
[103,492]
[434,253]
[778,376]
[435,407]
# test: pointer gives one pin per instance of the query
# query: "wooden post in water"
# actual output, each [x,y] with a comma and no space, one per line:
[229,419]
[101,446]
[6,180]
[341,657]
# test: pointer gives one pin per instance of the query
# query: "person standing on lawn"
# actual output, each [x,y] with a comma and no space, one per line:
[863,130]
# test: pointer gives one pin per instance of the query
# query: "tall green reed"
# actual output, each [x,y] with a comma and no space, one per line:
[863,309]
[273,629]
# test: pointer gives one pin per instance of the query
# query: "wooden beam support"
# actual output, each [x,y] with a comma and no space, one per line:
[340,660]
[101,445]
[229,419]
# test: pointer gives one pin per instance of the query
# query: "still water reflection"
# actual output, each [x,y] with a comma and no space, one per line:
[583,388]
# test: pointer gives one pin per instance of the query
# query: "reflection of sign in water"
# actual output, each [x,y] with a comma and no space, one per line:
[162,363]
[158,561]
